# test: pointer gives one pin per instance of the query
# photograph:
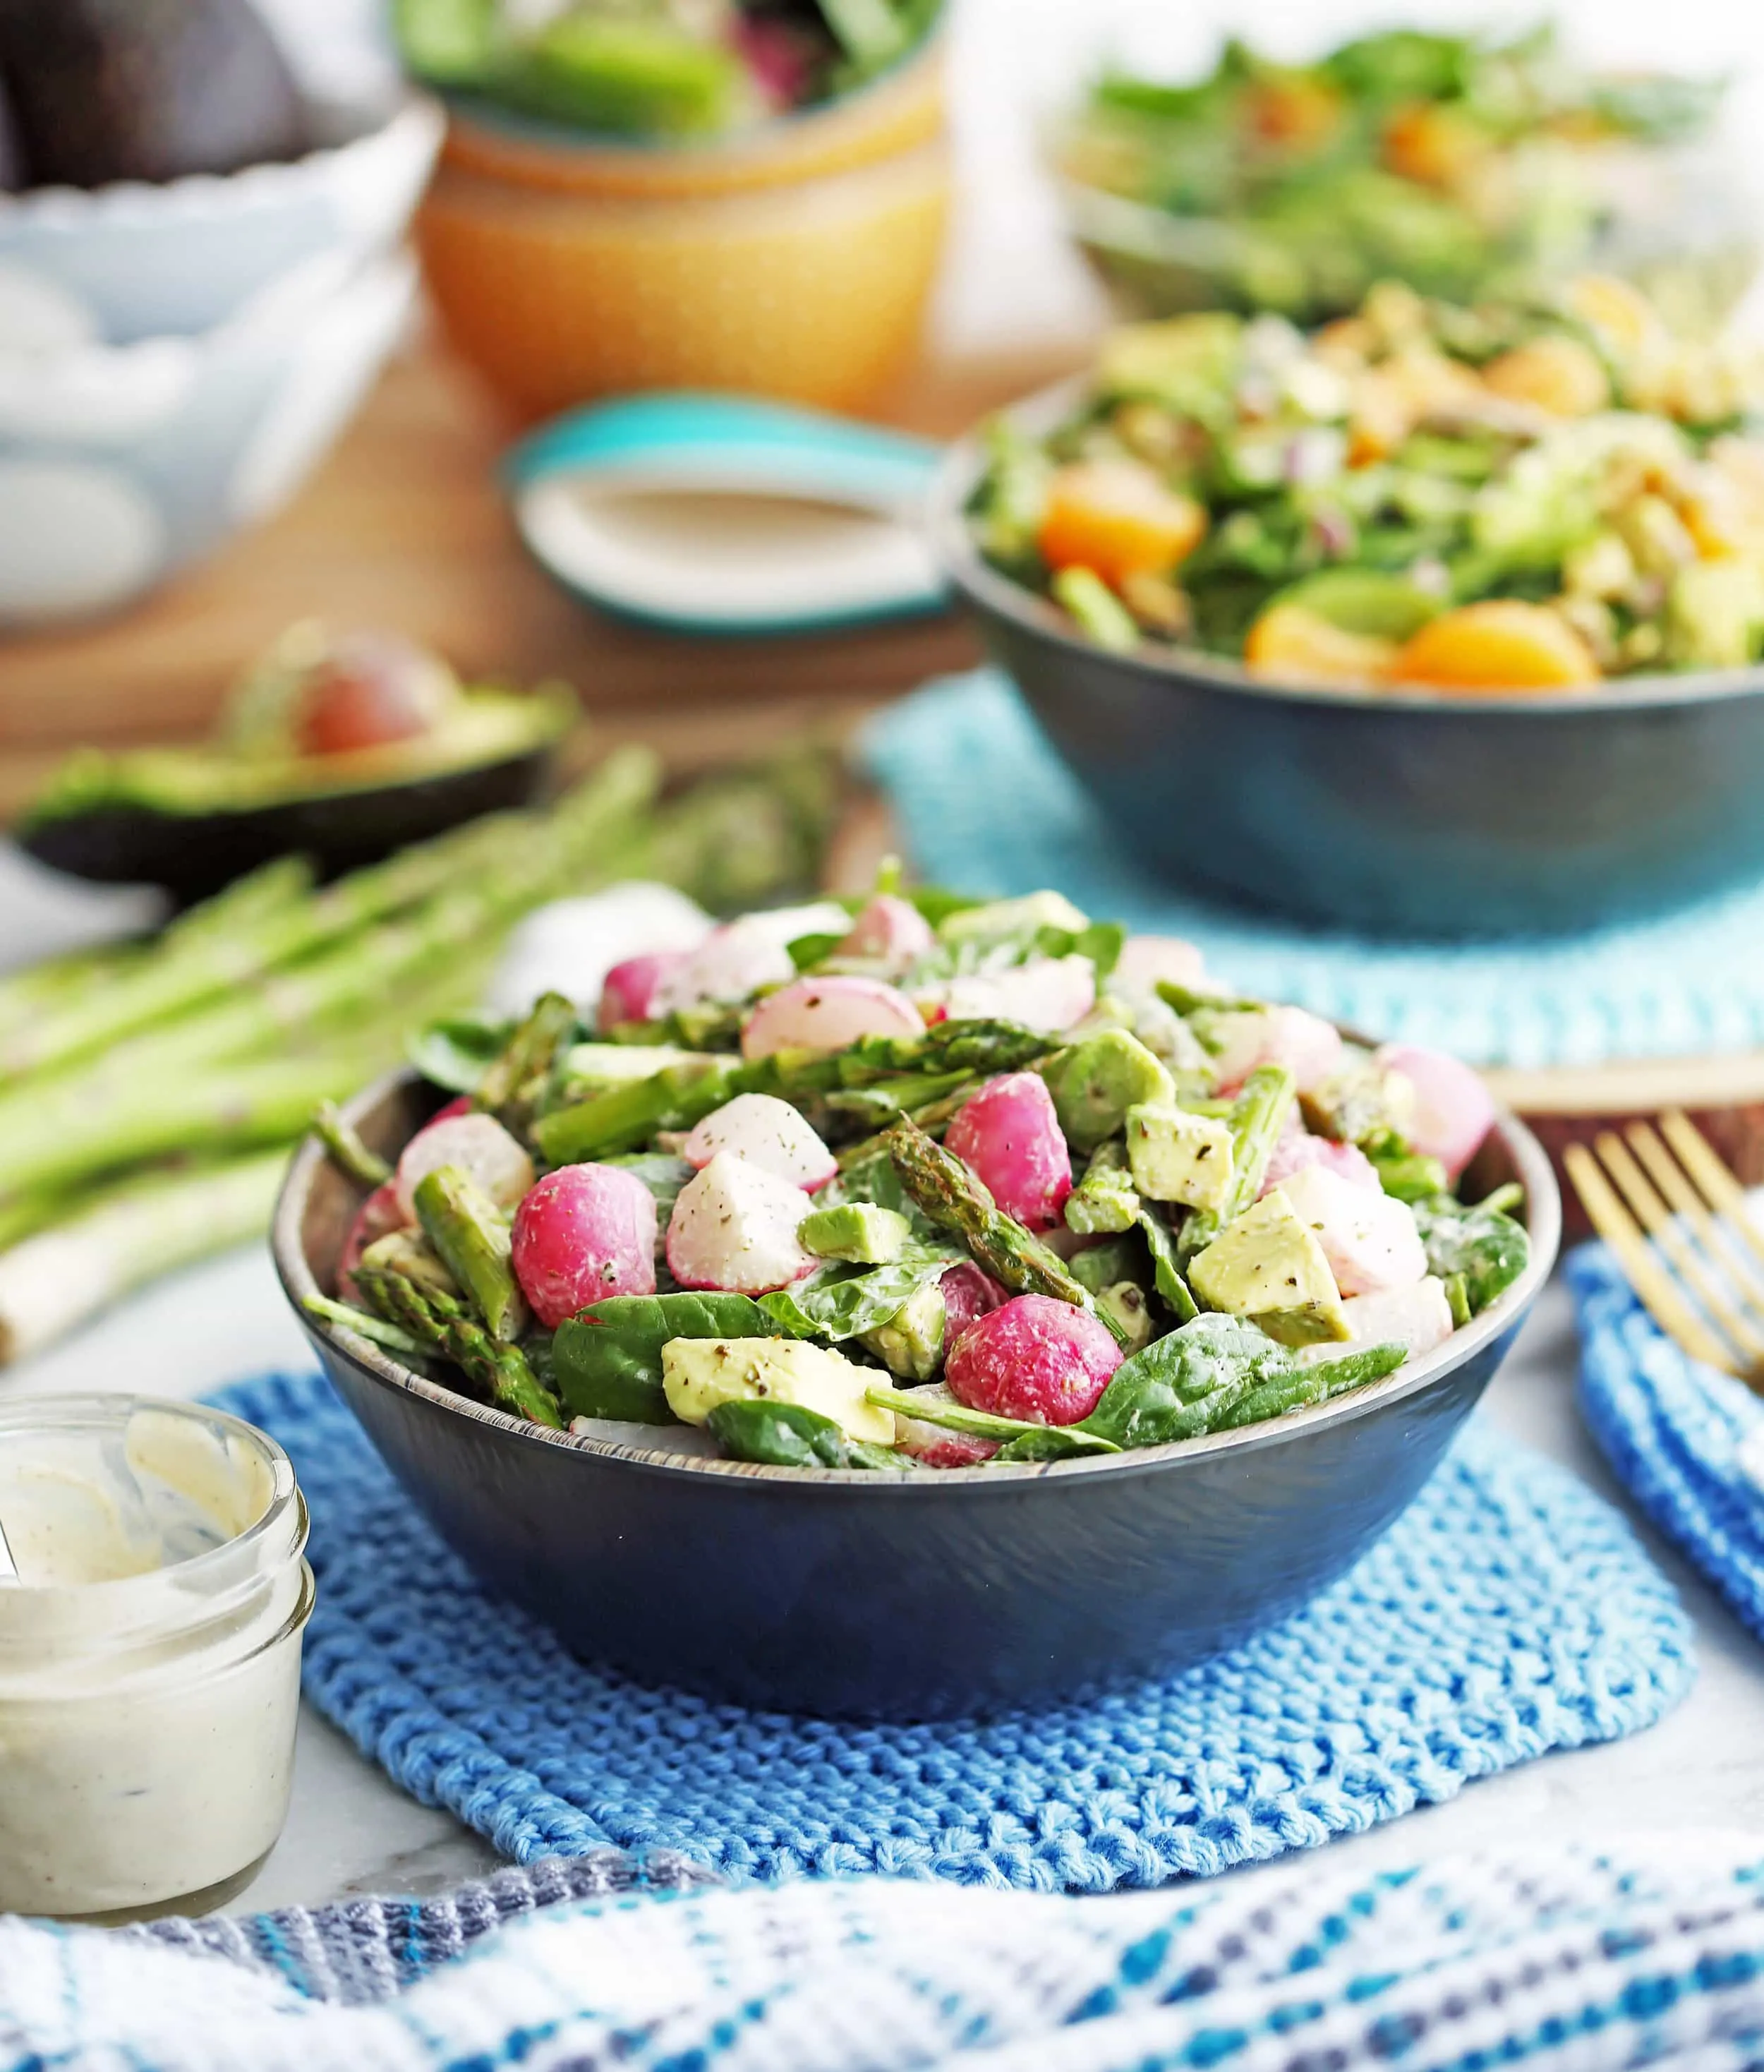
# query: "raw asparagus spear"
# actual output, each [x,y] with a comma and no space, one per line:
[957,1201]
[68,1272]
[1258,1117]
[463,1224]
[514,1084]
[444,1324]
[393,1337]
[347,1152]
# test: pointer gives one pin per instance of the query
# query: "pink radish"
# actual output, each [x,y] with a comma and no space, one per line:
[1443,1107]
[1009,1134]
[632,988]
[1370,1239]
[826,1014]
[1037,1358]
[377,1217]
[732,963]
[1050,993]
[934,1445]
[583,1233]
[892,930]
[1147,961]
[1298,1148]
[1418,1316]
[767,1132]
[476,1143]
[968,1293]
[734,1227]
[1310,1047]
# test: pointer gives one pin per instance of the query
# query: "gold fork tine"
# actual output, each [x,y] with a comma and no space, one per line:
[1722,1190]
[1721,1237]
[1641,1268]
[1656,1219]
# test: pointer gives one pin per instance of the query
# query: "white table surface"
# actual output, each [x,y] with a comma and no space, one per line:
[351,1831]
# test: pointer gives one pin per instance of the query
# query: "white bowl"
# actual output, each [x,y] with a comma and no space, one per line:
[120,464]
[135,262]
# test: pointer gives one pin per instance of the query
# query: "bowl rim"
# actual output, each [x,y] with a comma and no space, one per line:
[399,112]
[791,125]
[1543,1222]
[992,593]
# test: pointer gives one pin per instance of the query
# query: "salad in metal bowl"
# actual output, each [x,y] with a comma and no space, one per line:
[1500,498]
[916,1182]
[1462,165]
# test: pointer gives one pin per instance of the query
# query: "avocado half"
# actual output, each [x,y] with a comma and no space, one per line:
[192,820]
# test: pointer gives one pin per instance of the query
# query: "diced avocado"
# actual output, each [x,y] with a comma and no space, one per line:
[1097,1081]
[1126,1304]
[1177,1156]
[697,1373]
[1263,1261]
[863,1233]
[910,1343]
[1310,1324]
[588,1066]
[1104,1203]
[1000,918]
[1715,615]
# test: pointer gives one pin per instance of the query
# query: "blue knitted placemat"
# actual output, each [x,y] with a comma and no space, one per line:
[984,803]
[1509,1612]
[1672,1428]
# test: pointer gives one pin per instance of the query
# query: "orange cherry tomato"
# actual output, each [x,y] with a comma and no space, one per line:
[1117,518]
[1557,374]
[1439,147]
[1298,646]
[1500,645]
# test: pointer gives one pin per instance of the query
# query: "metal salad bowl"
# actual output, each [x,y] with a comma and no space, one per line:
[935,1595]
[1415,813]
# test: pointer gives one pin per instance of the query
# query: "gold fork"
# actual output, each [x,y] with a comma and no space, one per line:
[1681,1233]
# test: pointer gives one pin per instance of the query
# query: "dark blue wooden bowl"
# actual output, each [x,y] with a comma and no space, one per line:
[861,1596]
[1413,813]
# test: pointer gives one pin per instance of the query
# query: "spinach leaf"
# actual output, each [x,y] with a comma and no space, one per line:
[608,1358]
[842,1300]
[456,1051]
[1176,1386]
[786,1434]
[1489,1249]
[1172,1289]
[806,951]
[1049,1442]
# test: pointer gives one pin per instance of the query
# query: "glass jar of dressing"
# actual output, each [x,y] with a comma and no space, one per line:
[150,1653]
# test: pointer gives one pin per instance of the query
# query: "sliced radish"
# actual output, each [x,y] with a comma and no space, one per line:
[479,1146]
[768,1133]
[1310,1047]
[583,1233]
[892,930]
[1446,1110]
[826,1014]
[1050,993]
[1419,1317]
[1370,1239]
[632,988]
[734,1227]
[1009,1134]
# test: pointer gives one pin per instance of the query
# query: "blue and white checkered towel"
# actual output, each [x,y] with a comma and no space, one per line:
[1639,1954]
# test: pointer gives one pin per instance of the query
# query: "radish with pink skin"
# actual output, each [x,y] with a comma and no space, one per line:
[1369,1238]
[734,1227]
[968,1293]
[378,1216]
[935,1446]
[1036,1359]
[1009,1133]
[1049,993]
[1443,1107]
[1147,962]
[767,1132]
[1310,1047]
[631,989]
[1419,1317]
[476,1143]
[1298,1148]
[583,1233]
[823,1014]
[731,963]
[890,930]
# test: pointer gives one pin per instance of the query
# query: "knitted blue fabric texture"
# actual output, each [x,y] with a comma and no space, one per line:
[984,803]
[1508,1613]
[1672,1428]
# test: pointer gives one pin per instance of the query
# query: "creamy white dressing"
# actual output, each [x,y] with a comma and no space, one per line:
[149,1652]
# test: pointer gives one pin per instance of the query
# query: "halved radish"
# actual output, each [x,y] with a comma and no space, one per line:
[1298,1148]
[1147,961]
[1310,1047]
[1009,1134]
[734,1227]
[1370,1239]
[826,1014]
[1443,1106]
[1051,993]
[476,1143]
[890,930]
[376,1218]
[1418,1315]
[632,988]
[767,1132]
[732,964]
[583,1233]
